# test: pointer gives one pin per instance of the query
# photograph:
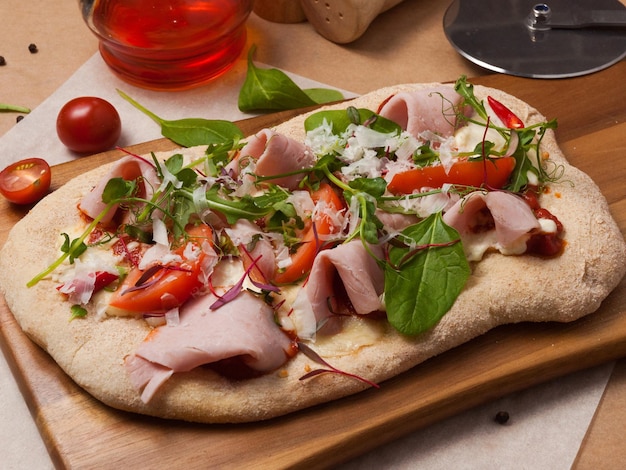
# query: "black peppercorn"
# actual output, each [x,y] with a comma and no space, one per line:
[33,48]
[19,118]
[501,417]
[2,60]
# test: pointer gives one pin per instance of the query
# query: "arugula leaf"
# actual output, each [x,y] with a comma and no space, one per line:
[273,90]
[193,131]
[116,189]
[235,209]
[422,284]
[466,90]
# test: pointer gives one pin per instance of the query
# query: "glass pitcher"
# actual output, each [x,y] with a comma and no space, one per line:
[168,44]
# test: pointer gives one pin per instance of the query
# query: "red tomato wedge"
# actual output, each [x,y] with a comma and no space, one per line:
[26,181]
[493,173]
[164,288]
[302,259]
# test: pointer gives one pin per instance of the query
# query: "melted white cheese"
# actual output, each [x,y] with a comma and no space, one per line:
[356,333]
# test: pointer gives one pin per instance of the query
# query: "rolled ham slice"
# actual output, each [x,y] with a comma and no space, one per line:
[244,327]
[421,110]
[128,168]
[513,222]
[351,265]
[276,154]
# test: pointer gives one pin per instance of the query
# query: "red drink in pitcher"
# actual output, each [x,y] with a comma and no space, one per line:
[168,44]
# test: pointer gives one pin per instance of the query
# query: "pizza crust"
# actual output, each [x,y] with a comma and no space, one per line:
[92,351]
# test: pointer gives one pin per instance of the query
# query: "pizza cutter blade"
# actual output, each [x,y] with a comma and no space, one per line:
[556,39]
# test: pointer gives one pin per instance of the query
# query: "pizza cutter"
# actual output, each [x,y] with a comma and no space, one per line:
[556,39]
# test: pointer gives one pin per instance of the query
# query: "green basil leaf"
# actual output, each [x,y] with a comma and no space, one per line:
[420,291]
[187,176]
[197,131]
[270,90]
[73,248]
[117,188]
[174,163]
[323,95]
[425,155]
[193,131]
[342,118]
[484,148]
[78,311]
[373,186]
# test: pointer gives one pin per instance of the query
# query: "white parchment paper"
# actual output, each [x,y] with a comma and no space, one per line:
[547,423]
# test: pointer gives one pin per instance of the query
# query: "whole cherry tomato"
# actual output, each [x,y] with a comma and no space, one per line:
[26,181]
[88,125]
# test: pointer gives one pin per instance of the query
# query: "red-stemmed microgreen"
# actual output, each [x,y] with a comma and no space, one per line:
[329,369]
[233,292]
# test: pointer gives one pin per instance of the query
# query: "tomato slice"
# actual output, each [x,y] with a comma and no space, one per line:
[492,173]
[26,181]
[302,259]
[162,288]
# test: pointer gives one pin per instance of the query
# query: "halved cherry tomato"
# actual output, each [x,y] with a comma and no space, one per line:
[302,259]
[493,173]
[26,181]
[164,288]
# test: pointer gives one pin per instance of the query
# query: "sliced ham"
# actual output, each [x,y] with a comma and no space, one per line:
[512,218]
[357,271]
[430,109]
[244,327]
[276,154]
[128,168]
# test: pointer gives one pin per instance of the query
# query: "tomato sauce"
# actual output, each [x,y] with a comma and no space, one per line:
[543,244]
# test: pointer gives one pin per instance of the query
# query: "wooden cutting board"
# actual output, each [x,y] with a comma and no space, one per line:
[82,433]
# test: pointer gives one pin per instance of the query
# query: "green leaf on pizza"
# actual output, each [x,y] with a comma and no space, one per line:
[77,311]
[375,187]
[466,90]
[424,278]
[340,119]
[246,207]
[73,248]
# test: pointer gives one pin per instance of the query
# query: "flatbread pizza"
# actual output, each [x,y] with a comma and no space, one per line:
[246,280]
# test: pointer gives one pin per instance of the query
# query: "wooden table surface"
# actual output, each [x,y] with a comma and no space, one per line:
[591,110]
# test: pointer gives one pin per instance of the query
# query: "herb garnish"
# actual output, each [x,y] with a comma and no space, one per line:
[527,145]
